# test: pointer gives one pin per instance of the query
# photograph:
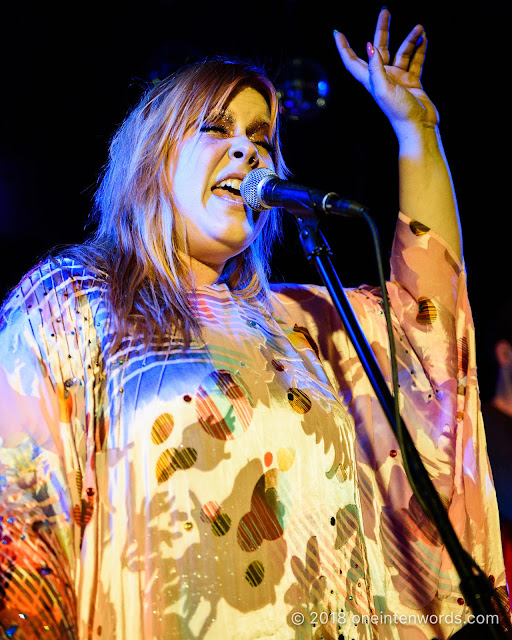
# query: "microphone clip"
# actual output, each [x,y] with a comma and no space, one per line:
[312,239]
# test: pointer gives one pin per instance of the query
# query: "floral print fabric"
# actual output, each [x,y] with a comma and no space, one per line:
[248,487]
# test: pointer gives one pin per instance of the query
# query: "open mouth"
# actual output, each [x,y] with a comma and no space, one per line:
[228,189]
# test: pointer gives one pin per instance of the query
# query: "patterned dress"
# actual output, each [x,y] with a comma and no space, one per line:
[248,487]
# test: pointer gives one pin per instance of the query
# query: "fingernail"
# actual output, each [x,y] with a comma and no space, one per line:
[335,32]
[369,49]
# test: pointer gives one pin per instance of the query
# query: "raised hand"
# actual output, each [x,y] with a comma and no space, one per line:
[425,186]
[395,87]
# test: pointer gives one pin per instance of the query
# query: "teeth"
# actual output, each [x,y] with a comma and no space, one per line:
[233,183]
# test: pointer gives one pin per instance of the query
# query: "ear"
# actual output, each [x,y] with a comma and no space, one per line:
[503,353]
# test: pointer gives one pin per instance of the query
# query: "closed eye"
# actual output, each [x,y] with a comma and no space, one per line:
[268,146]
[215,128]
[212,128]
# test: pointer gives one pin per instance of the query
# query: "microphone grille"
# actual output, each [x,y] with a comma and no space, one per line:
[249,188]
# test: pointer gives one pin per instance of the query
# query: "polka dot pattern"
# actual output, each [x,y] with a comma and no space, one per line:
[162,428]
[171,460]
[427,312]
[299,401]
[255,573]
[223,406]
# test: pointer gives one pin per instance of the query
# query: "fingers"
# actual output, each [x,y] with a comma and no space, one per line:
[418,58]
[379,80]
[411,54]
[410,57]
[354,65]
[381,35]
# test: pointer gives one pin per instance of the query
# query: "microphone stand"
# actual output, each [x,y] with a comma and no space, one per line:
[476,588]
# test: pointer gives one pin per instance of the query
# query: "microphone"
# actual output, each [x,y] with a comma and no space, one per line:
[263,189]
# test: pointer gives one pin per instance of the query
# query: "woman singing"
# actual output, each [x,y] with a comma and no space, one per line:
[191,452]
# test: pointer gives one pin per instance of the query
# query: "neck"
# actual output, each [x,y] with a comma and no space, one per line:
[205,273]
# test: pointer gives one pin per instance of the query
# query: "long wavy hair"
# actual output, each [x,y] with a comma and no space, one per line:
[137,246]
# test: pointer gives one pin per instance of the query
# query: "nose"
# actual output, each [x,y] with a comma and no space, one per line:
[243,149]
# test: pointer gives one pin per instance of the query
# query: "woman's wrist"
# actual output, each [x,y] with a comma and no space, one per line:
[417,139]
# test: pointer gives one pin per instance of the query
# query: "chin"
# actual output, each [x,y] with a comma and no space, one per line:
[234,240]
[218,252]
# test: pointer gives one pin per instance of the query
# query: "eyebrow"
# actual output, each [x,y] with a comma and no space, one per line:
[257,126]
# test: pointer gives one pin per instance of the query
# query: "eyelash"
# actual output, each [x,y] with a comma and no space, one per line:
[208,128]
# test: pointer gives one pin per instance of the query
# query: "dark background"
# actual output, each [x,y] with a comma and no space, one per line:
[71,72]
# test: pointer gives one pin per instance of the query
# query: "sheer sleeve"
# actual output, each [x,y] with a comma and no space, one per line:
[439,399]
[428,292]
[41,435]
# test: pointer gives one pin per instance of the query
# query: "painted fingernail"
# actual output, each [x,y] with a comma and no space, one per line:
[369,49]
[335,32]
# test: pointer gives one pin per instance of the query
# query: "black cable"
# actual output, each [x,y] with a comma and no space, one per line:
[393,360]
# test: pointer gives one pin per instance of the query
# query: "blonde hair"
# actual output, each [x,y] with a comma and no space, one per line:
[137,246]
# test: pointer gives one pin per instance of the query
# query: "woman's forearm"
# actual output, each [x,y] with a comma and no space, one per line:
[426,190]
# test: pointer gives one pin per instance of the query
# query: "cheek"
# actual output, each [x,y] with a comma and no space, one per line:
[186,157]
[266,162]
[196,165]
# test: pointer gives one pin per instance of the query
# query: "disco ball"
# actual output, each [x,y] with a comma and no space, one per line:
[303,89]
